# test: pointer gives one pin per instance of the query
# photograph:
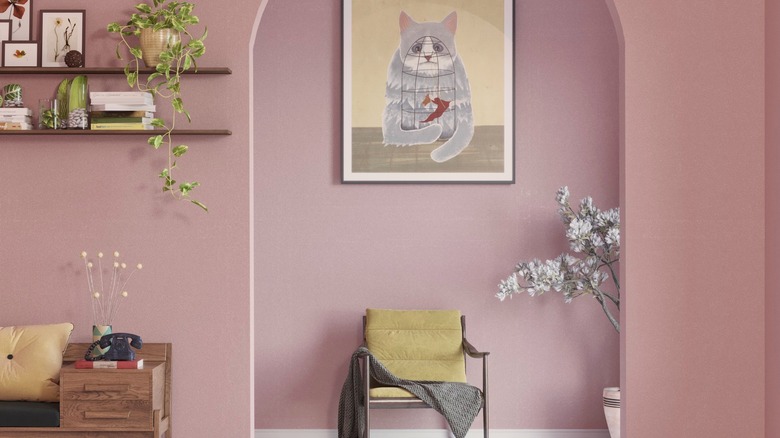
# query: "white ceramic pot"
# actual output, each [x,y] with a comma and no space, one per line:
[612,410]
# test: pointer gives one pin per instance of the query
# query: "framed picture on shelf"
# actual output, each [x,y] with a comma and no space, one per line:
[59,32]
[428,91]
[20,54]
[19,12]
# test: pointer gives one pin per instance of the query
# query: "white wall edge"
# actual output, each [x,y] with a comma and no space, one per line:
[437,433]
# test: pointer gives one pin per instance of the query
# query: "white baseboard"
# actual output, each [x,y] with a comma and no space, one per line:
[437,433]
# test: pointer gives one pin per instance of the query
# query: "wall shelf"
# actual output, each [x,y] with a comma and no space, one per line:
[101,70]
[117,132]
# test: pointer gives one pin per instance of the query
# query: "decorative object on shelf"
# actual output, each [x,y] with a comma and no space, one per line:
[20,53]
[19,13]
[74,58]
[48,114]
[62,97]
[612,410]
[165,81]
[437,123]
[98,331]
[60,31]
[12,96]
[154,42]
[590,231]
[78,117]
[106,300]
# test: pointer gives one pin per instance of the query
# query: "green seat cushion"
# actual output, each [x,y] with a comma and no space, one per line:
[29,414]
[418,344]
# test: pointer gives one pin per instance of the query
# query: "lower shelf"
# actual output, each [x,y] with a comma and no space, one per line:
[138,132]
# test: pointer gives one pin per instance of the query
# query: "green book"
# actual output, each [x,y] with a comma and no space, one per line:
[146,120]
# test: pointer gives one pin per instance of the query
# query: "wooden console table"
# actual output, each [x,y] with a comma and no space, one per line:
[103,403]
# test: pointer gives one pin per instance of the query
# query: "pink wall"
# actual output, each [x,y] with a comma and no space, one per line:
[62,195]
[694,219]
[326,251]
[772,160]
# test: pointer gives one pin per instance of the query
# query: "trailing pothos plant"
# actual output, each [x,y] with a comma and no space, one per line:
[165,81]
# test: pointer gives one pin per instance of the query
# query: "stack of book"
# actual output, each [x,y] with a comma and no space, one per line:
[121,110]
[15,119]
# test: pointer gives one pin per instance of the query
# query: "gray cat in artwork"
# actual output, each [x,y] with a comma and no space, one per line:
[428,96]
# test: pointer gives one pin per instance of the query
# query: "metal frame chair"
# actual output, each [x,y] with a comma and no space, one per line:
[414,402]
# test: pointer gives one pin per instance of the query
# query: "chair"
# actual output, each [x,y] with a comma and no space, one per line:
[417,345]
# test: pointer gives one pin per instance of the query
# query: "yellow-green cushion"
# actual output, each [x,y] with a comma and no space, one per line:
[30,361]
[390,392]
[417,344]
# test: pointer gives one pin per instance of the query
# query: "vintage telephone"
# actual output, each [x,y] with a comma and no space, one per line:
[120,350]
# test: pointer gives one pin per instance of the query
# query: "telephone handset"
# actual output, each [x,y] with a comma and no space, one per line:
[120,350]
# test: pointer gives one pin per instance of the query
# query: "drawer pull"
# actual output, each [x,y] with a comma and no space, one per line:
[105,388]
[107,415]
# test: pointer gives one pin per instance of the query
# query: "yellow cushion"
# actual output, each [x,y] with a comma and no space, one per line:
[390,391]
[418,344]
[30,361]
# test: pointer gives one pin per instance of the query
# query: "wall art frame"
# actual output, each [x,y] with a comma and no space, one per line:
[19,12]
[20,53]
[5,35]
[59,31]
[428,91]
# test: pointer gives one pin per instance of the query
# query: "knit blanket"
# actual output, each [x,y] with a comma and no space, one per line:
[459,403]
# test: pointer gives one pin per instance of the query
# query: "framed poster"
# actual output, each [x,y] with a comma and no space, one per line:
[428,91]
[59,32]
[20,53]
[19,13]
[5,34]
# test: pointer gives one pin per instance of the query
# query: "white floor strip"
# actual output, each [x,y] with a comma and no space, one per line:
[437,433]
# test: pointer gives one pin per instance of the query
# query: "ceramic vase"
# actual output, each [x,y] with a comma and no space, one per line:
[98,331]
[153,42]
[612,411]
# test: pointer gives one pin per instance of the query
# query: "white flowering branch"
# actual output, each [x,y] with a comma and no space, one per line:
[106,303]
[591,232]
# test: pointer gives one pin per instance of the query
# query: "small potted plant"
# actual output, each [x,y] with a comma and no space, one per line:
[168,23]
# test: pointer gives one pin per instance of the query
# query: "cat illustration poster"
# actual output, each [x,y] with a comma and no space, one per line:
[428,91]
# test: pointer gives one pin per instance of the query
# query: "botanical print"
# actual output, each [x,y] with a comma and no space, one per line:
[67,34]
[18,11]
[20,54]
[430,121]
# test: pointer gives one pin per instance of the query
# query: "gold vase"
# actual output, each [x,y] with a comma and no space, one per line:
[153,42]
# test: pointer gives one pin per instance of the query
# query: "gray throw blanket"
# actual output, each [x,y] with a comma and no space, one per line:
[459,403]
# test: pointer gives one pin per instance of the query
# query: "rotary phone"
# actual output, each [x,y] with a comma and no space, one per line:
[120,349]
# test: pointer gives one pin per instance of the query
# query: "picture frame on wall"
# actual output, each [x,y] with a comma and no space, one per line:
[59,32]
[19,12]
[5,34]
[20,53]
[428,91]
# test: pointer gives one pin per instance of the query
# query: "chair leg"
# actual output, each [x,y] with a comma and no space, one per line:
[485,419]
[366,397]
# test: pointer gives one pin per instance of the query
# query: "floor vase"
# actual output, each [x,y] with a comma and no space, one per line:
[612,411]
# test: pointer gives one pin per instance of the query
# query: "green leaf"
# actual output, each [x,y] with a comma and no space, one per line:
[178,105]
[164,173]
[132,78]
[158,123]
[179,150]
[114,28]
[187,62]
[187,114]
[156,141]
[200,204]
[143,7]
[136,52]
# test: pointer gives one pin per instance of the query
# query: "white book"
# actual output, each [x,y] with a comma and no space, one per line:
[122,107]
[10,118]
[134,100]
[119,93]
[15,111]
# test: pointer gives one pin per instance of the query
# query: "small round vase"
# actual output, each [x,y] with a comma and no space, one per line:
[153,42]
[612,411]
[98,331]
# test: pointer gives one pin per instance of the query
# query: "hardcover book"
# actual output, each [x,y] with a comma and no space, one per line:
[98,364]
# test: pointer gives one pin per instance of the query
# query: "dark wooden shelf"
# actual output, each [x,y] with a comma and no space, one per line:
[105,132]
[101,70]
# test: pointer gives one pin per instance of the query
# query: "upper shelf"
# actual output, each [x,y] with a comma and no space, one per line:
[102,70]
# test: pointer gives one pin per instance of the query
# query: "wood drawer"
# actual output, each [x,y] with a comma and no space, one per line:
[97,386]
[129,414]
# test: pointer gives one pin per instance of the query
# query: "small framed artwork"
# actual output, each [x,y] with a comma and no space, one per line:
[60,31]
[428,91]
[19,12]
[20,54]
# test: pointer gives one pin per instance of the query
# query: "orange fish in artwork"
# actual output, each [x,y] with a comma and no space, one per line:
[441,106]
[20,54]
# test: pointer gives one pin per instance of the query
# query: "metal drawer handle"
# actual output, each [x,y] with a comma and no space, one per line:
[105,388]
[107,415]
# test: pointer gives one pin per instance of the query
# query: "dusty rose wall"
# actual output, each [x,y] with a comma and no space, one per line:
[772,27]
[326,251]
[694,218]
[62,195]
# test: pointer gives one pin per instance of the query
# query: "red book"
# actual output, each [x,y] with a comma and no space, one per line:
[118,364]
